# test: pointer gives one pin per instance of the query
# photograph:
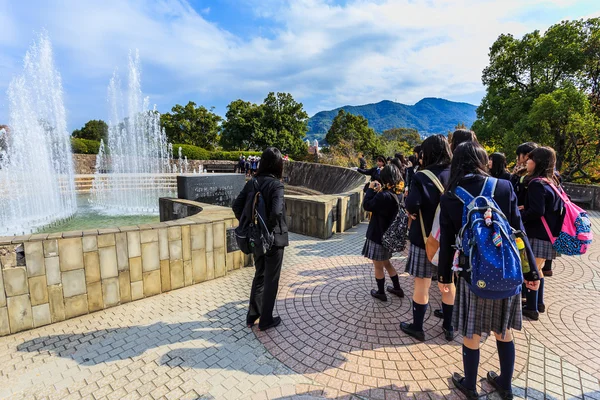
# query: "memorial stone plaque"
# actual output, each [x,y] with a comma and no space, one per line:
[217,189]
[231,241]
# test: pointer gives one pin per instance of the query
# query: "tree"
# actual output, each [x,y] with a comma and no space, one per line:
[537,88]
[355,130]
[193,125]
[409,136]
[242,126]
[284,124]
[92,130]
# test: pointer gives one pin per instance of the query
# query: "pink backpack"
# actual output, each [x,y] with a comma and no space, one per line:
[576,232]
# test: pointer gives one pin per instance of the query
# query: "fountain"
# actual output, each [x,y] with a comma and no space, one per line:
[36,169]
[131,168]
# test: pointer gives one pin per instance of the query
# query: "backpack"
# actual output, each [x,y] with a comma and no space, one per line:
[489,243]
[432,242]
[252,234]
[576,233]
[394,238]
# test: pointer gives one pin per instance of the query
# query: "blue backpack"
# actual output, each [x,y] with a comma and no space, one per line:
[488,242]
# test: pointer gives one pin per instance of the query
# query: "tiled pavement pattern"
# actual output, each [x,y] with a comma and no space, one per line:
[334,342]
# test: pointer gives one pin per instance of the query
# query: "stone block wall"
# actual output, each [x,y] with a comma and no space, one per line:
[312,215]
[47,278]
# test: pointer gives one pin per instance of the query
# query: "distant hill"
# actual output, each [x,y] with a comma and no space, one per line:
[428,116]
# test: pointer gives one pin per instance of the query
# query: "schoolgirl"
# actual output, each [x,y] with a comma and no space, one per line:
[520,170]
[497,166]
[541,201]
[460,136]
[383,200]
[375,171]
[473,316]
[421,203]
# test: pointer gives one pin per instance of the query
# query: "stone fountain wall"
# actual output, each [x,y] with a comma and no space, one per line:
[47,278]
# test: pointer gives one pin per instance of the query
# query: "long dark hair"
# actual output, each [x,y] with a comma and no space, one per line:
[391,177]
[271,163]
[460,136]
[436,151]
[498,165]
[398,163]
[526,148]
[545,162]
[469,158]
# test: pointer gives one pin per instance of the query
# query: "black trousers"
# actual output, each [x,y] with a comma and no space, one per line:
[265,286]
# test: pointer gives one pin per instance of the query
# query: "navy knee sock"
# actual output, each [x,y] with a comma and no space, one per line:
[395,281]
[470,366]
[506,354]
[418,315]
[523,291]
[540,298]
[447,311]
[532,299]
[547,265]
[380,285]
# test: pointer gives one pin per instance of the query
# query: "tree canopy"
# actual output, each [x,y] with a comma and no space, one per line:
[191,124]
[546,88]
[355,130]
[92,130]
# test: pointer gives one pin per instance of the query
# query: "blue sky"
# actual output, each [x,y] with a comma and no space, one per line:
[326,53]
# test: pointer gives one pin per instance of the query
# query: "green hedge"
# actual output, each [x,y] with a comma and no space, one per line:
[84,146]
[198,153]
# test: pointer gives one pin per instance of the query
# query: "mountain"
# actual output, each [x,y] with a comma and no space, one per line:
[428,116]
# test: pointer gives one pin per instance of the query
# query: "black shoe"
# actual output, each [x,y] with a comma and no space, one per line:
[547,273]
[251,321]
[276,321]
[457,379]
[434,278]
[377,295]
[541,308]
[504,393]
[408,329]
[439,314]
[531,314]
[397,292]
[448,334]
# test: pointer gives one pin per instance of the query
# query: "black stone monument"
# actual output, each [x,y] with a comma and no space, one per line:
[217,189]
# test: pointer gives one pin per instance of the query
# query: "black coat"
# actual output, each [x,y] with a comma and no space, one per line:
[424,196]
[384,207]
[451,212]
[372,172]
[541,200]
[271,189]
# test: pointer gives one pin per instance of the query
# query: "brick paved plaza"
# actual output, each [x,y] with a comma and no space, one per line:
[335,340]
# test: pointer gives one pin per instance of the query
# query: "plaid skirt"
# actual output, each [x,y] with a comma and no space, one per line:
[473,315]
[418,264]
[375,252]
[542,249]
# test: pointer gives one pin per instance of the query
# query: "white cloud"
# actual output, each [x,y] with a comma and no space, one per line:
[327,55]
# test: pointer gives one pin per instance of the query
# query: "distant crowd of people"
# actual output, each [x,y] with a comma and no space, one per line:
[486,235]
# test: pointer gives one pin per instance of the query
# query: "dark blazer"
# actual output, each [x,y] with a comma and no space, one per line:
[271,189]
[541,200]
[424,196]
[451,211]
[505,175]
[410,172]
[384,206]
[372,172]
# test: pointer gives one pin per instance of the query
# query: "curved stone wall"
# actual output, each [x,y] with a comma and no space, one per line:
[327,179]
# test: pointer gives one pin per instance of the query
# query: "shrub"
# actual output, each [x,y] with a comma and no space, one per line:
[198,153]
[84,146]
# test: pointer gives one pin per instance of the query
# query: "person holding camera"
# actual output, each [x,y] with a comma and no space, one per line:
[383,200]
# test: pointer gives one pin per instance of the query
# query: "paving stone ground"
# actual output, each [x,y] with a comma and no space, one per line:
[335,340]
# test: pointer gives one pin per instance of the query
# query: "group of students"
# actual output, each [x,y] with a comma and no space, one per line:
[526,199]
[249,165]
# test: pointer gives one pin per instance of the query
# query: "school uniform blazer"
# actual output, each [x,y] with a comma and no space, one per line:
[424,196]
[372,172]
[384,207]
[541,200]
[451,211]
[271,189]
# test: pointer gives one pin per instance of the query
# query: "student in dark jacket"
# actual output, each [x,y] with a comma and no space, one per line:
[474,317]
[375,171]
[541,201]
[460,136]
[421,204]
[497,166]
[268,267]
[383,200]
[520,170]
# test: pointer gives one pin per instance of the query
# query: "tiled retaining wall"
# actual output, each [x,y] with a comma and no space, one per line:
[48,278]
